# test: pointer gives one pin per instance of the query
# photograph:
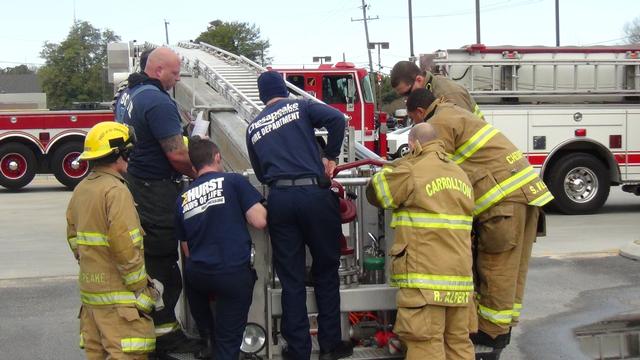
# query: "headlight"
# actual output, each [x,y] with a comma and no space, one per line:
[254,339]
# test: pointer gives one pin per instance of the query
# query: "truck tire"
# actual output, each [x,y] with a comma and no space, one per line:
[65,166]
[17,165]
[580,184]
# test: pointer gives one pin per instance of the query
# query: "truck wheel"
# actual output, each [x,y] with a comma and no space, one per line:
[65,165]
[580,184]
[17,165]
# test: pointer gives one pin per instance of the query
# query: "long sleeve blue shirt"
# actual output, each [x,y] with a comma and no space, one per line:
[281,140]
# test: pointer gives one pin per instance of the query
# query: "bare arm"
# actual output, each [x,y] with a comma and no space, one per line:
[185,248]
[257,216]
[178,155]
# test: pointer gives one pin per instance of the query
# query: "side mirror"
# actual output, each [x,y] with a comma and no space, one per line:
[351,94]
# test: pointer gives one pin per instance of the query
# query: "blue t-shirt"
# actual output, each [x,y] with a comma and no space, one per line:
[281,140]
[210,217]
[154,116]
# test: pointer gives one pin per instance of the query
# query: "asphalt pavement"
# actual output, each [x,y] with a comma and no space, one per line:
[576,277]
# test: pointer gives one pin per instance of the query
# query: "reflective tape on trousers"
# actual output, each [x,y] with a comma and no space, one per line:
[136,345]
[500,317]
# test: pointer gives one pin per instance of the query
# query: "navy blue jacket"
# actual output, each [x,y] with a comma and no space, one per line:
[281,139]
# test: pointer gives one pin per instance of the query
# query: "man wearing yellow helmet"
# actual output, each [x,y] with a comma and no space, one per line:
[104,233]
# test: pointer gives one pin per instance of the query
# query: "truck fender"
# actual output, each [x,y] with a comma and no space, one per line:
[584,145]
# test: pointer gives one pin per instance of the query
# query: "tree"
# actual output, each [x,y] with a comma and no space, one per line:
[239,38]
[74,70]
[632,31]
[18,70]
[387,94]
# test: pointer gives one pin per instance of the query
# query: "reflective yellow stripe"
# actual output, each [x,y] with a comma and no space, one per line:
[145,302]
[433,282]
[475,143]
[381,187]
[500,317]
[81,343]
[136,236]
[542,199]
[92,239]
[477,112]
[430,220]
[73,242]
[130,345]
[135,276]
[503,189]
[516,310]
[108,298]
[163,329]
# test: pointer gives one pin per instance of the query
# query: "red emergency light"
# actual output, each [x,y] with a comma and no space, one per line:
[580,132]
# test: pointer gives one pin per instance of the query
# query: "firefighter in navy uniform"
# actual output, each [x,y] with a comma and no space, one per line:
[508,197]
[432,201]
[104,233]
[211,221]
[302,210]
[406,76]
[157,160]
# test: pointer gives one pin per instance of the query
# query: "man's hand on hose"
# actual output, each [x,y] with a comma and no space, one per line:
[329,167]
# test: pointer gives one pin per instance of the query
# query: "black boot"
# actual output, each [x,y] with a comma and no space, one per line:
[343,350]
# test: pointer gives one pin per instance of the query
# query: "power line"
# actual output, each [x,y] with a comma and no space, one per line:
[485,8]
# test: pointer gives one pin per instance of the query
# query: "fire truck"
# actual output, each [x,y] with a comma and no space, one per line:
[44,142]
[573,111]
[348,89]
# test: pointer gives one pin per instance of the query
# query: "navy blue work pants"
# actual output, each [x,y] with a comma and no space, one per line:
[233,295]
[299,216]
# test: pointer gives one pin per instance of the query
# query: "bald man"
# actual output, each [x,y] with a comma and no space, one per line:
[432,202]
[158,159]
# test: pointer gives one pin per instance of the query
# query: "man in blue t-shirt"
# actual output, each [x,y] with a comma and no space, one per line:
[211,222]
[158,158]
[302,209]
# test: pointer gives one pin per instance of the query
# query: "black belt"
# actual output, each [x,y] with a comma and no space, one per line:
[295,182]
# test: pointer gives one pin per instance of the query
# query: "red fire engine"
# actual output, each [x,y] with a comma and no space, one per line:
[348,89]
[44,142]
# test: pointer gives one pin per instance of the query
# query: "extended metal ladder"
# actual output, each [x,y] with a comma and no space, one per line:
[235,78]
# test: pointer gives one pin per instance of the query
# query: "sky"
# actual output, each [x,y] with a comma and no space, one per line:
[298,30]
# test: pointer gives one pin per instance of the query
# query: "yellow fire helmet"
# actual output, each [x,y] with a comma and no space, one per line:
[106,138]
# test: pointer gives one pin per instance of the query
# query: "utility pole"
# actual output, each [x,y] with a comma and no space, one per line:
[166,31]
[478,22]
[412,56]
[366,31]
[557,22]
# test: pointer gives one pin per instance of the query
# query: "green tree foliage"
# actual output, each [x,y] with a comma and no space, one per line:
[632,31]
[239,38]
[387,94]
[74,69]
[18,70]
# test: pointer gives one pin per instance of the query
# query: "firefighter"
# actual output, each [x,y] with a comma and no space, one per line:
[432,201]
[211,220]
[406,76]
[508,196]
[157,163]
[105,236]
[302,210]
[119,97]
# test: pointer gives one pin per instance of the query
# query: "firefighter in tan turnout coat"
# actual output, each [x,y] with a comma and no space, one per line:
[508,196]
[432,201]
[104,234]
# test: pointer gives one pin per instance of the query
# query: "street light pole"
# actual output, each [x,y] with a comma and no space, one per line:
[412,56]
[557,22]
[478,22]
[379,45]
[166,31]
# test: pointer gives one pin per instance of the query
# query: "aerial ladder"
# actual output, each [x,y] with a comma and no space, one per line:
[224,87]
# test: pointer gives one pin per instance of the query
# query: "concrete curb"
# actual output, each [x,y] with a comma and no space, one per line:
[631,250]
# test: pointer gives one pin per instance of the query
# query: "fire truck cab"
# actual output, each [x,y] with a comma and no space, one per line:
[348,89]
